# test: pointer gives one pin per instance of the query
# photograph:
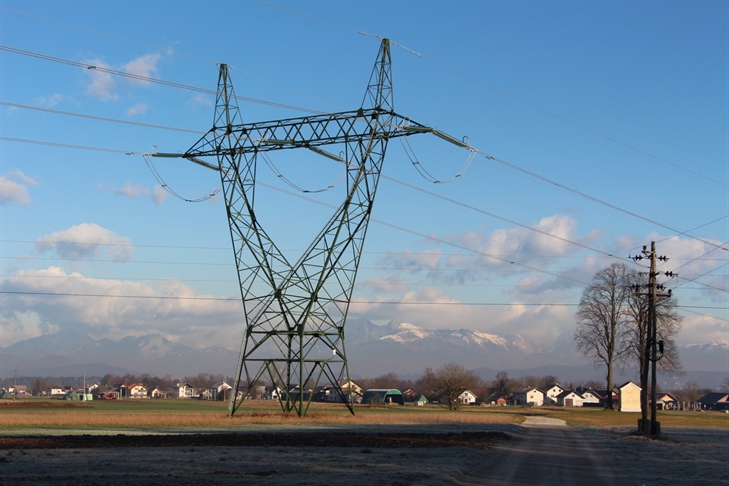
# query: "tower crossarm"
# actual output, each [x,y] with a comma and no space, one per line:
[306,132]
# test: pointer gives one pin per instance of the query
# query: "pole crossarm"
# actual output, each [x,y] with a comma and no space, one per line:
[295,312]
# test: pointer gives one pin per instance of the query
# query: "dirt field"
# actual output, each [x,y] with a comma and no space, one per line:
[542,450]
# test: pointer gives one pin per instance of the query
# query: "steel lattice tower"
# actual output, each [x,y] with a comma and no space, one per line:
[295,312]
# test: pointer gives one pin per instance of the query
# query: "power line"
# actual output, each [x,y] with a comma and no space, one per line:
[359,302]
[100,118]
[505,260]
[505,93]
[484,154]
[139,77]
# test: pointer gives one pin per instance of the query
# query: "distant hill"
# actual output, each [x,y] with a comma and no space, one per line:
[372,350]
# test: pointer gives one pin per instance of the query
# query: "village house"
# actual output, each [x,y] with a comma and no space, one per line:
[629,397]
[410,395]
[551,394]
[184,390]
[589,396]
[497,399]
[221,391]
[135,390]
[467,398]
[529,396]
[569,398]
[666,401]
[714,401]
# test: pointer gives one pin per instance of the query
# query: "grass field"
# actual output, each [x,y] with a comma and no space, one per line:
[56,416]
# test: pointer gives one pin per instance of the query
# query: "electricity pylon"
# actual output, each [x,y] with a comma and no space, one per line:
[295,312]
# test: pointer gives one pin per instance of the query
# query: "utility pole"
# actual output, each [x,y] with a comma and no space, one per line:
[15,383]
[654,347]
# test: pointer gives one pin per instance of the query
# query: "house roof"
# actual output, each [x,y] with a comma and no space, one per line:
[628,383]
[714,397]
[527,390]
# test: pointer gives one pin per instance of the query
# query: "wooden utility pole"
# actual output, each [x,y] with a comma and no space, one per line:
[654,347]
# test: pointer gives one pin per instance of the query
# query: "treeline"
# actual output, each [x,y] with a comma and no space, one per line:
[428,383]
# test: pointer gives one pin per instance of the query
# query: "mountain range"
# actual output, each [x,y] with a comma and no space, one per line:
[372,350]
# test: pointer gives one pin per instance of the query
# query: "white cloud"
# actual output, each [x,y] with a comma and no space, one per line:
[137,109]
[86,240]
[157,194]
[49,300]
[101,84]
[14,188]
[104,86]
[202,100]
[51,101]
[145,66]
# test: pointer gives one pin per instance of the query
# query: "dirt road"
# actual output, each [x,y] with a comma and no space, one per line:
[547,452]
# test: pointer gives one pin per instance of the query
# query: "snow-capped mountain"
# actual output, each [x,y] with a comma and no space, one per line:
[372,350]
[710,356]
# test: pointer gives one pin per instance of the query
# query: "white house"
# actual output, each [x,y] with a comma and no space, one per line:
[590,396]
[551,394]
[184,390]
[569,398]
[135,390]
[467,398]
[220,391]
[529,396]
[629,397]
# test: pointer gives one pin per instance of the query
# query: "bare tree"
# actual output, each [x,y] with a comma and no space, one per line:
[503,385]
[448,382]
[600,318]
[725,384]
[691,391]
[637,334]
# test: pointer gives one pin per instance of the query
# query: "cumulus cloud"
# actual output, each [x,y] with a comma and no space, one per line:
[101,84]
[106,87]
[145,66]
[49,300]
[157,194]
[14,188]
[137,109]
[86,240]
[51,101]
[201,100]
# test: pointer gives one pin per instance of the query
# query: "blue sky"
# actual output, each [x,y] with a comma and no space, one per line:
[609,122]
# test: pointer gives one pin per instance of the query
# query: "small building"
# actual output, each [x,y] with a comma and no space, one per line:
[184,390]
[221,391]
[569,398]
[666,401]
[421,401]
[629,397]
[409,395]
[590,398]
[498,400]
[551,393]
[467,398]
[529,396]
[72,395]
[135,390]
[157,393]
[382,396]
[272,392]
[714,401]
[352,389]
